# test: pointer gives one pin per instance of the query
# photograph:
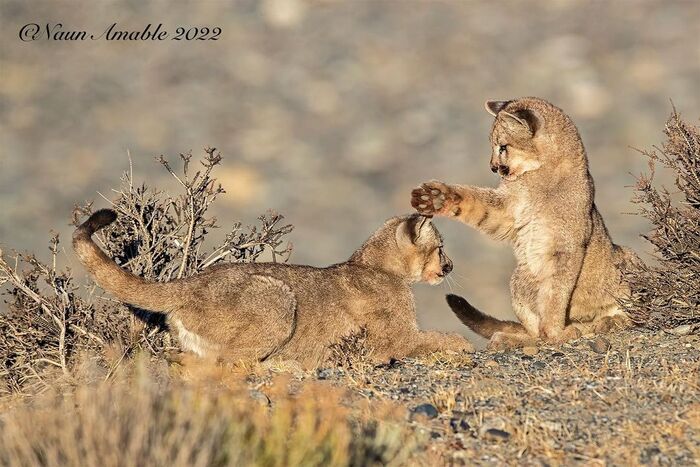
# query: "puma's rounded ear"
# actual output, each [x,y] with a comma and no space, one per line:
[528,119]
[517,119]
[493,107]
[408,232]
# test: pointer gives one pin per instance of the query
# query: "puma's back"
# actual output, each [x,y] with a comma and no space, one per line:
[257,310]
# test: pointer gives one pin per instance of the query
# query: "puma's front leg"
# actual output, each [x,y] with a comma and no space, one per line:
[482,208]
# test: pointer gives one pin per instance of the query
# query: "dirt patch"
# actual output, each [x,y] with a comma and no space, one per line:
[629,399]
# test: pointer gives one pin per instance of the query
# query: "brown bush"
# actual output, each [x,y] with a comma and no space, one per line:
[667,294]
[51,319]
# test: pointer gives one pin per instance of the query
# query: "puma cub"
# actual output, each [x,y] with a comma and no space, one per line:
[248,311]
[568,274]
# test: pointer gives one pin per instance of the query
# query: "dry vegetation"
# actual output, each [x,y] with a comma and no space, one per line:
[51,319]
[85,382]
[135,419]
[667,294]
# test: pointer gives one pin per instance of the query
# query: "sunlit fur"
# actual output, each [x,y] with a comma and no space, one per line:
[568,277]
[244,311]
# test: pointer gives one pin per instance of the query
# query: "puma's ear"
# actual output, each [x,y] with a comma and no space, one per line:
[526,119]
[409,231]
[493,107]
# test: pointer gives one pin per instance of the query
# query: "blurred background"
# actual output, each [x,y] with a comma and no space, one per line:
[331,112]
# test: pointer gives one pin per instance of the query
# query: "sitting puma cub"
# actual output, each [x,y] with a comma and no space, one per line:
[260,310]
[568,274]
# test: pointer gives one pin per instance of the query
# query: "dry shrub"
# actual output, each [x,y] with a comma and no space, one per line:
[133,420]
[50,320]
[667,294]
[351,351]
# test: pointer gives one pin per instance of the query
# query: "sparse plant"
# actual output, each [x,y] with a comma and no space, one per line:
[667,294]
[50,320]
[445,399]
[351,351]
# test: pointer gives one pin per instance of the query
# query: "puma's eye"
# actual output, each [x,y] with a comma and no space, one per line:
[502,148]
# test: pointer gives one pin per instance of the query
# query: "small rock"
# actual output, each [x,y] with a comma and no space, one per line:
[491,364]
[459,424]
[260,397]
[324,373]
[530,351]
[599,345]
[557,354]
[651,454]
[428,410]
[682,330]
[494,434]
[495,429]
[539,365]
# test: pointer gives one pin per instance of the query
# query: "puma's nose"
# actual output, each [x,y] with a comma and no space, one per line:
[494,168]
[447,268]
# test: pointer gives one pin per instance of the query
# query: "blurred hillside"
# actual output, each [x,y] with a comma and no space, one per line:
[330,113]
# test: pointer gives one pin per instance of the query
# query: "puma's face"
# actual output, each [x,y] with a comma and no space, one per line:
[512,141]
[512,157]
[421,245]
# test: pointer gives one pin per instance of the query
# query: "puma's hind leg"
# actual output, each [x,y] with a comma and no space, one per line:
[261,321]
[607,324]
[436,341]
[502,341]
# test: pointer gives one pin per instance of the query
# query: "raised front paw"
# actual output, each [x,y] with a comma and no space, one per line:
[435,199]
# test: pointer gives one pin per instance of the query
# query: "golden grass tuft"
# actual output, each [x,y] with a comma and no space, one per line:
[136,419]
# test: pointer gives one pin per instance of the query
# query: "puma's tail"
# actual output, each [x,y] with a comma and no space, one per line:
[480,323]
[124,285]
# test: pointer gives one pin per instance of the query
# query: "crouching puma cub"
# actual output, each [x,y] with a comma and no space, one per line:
[247,311]
[568,274]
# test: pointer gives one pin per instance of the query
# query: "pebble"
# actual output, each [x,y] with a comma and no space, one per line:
[682,330]
[494,434]
[459,424]
[530,351]
[494,429]
[599,345]
[260,397]
[491,364]
[428,410]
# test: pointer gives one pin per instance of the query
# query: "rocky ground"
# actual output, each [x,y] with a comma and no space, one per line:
[627,399]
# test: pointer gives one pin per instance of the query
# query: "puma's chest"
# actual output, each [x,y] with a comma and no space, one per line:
[533,241]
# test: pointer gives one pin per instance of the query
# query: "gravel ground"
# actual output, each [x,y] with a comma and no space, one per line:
[629,399]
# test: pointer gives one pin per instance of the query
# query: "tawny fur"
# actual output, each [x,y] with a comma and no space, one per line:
[246,311]
[568,279]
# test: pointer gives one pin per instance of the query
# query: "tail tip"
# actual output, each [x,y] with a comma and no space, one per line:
[97,220]
[455,301]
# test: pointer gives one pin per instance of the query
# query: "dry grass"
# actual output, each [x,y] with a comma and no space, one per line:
[136,419]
